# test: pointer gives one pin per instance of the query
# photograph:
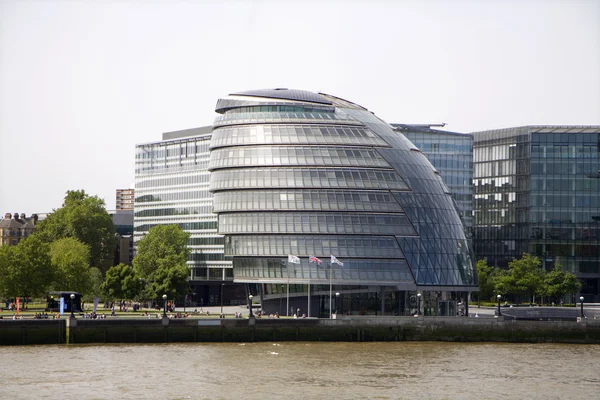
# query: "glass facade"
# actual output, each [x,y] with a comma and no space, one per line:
[452,155]
[309,174]
[536,190]
[171,187]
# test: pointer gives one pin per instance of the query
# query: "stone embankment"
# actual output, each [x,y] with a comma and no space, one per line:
[452,329]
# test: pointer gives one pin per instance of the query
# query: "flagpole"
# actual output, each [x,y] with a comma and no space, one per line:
[308,290]
[330,270]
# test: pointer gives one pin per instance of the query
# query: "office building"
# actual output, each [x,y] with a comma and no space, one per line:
[171,187]
[123,222]
[536,190]
[300,176]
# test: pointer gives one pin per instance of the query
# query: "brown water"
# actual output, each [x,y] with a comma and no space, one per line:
[415,370]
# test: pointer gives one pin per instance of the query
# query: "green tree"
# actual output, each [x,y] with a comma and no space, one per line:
[25,269]
[504,282]
[161,261]
[121,282]
[570,284]
[485,276]
[553,282]
[527,274]
[70,260]
[84,218]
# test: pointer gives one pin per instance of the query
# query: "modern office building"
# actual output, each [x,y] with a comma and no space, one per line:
[123,221]
[537,190]
[171,187]
[300,176]
[125,199]
[451,154]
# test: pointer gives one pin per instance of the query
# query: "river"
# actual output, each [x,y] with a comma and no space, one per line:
[292,370]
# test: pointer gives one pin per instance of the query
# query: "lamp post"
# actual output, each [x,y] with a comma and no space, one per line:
[580,299]
[222,288]
[164,296]
[337,297]
[499,312]
[73,301]
[184,301]
[418,303]
[250,298]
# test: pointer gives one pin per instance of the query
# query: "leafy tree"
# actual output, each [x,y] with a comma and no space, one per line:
[161,261]
[485,276]
[25,269]
[570,284]
[504,282]
[70,260]
[84,218]
[527,275]
[553,281]
[121,282]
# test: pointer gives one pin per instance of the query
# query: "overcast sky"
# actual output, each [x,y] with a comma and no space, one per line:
[81,82]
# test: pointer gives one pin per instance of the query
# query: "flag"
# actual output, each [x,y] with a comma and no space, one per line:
[315,260]
[336,261]
[293,259]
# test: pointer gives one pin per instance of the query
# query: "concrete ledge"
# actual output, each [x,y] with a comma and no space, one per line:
[306,329]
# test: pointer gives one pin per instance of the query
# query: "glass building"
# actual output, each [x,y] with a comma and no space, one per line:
[171,187]
[451,154]
[301,174]
[536,190]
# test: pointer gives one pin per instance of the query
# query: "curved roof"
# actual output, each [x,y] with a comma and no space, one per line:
[288,94]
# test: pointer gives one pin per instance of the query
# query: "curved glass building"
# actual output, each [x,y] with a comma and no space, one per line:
[296,174]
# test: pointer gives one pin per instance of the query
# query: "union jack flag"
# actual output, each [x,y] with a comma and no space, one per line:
[315,260]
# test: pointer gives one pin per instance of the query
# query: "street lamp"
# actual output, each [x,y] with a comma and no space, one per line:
[250,298]
[499,312]
[418,303]
[73,300]
[165,305]
[337,296]
[580,299]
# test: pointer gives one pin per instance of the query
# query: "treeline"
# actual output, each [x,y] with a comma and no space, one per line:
[525,280]
[74,247]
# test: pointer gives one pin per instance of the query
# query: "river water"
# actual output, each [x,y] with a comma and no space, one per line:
[399,370]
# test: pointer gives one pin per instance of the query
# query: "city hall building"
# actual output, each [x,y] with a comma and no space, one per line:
[537,190]
[324,207]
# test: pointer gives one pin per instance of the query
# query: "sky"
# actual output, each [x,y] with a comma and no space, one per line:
[81,82]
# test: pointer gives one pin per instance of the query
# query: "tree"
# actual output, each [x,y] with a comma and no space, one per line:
[25,269]
[70,260]
[121,282]
[161,261]
[527,275]
[553,281]
[84,218]
[570,284]
[486,284]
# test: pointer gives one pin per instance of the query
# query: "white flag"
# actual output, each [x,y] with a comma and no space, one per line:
[293,259]
[336,261]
